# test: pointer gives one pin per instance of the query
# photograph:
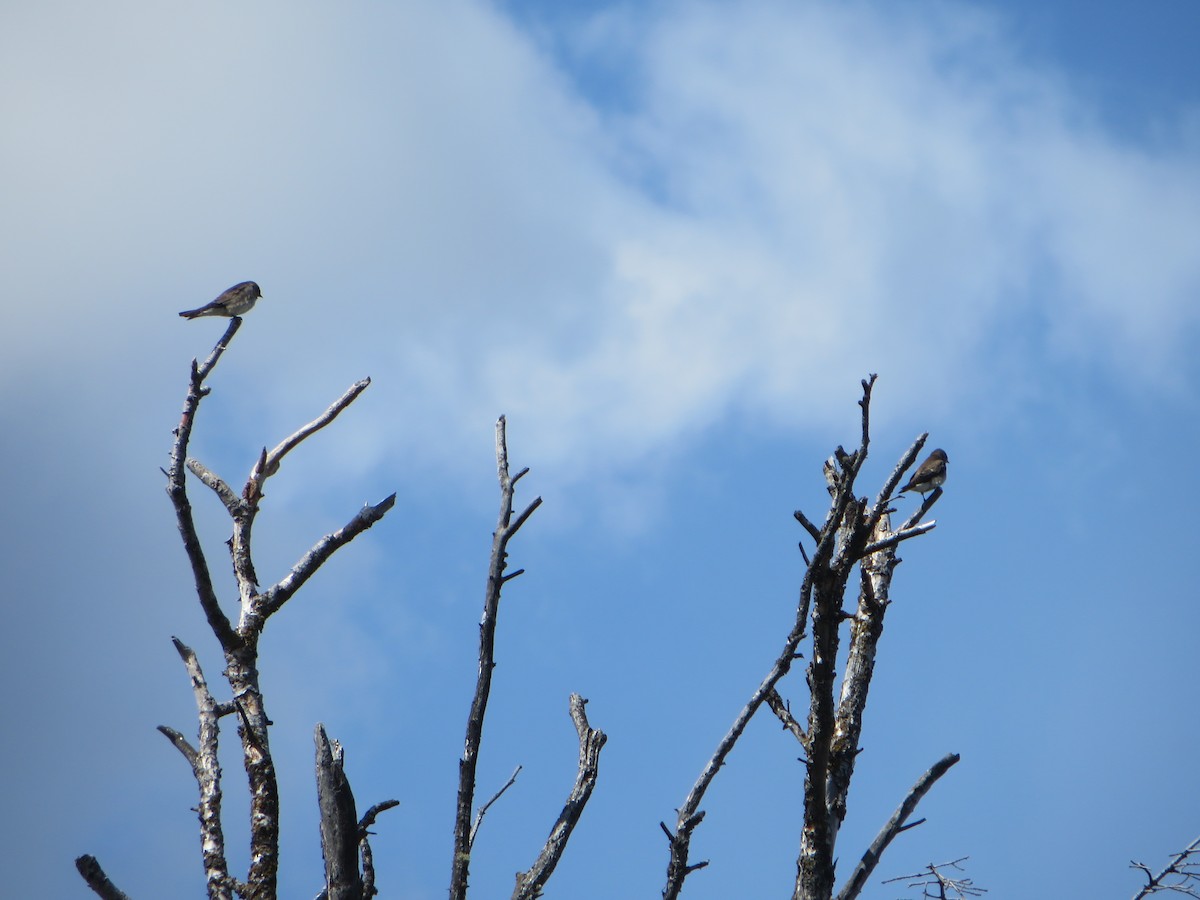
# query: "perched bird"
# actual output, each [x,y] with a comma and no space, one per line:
[236,301]
[929,475]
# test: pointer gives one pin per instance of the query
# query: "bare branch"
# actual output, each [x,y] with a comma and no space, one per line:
[271,600]
[591,742]
[884,498]
[933,877]
[370,815]
[177,491]
[206,768]
[784,713]
[181,744]
[506,527]
[364,846]
[926,505]
[812,529]
[866,628]
[512,779]
[1181,867]
[270,463]
[870,859]
[825,578]
[228,496]
[897,536]
[89,868]
[339,821]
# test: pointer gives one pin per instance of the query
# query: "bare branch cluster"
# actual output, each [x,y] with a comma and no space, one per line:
[935,883]
[1181,875]
[529,883]
[341,833]
[854,534]
[349,863]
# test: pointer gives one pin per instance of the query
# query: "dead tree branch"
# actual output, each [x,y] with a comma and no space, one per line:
[1182,869]
[339,821]
[239,643]
[206,768]
[364,837]
[895,825]
[591,742]
[506,527]
[853,533]
[90,869]
[482,811]
[820,578]
[933,879]
[783,713]
[177,491]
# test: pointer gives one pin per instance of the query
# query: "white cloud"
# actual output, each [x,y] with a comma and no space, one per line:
[781,199]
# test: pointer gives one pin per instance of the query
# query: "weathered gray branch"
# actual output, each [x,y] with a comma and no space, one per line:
[240,644]
[272,599]
[870,859]
[506,528]
[1180,867]
[946,886]
[270,465]
[210,479]
[177,491]
[784,714]
[339,821]
[89,867]
[897,537]
[838,547]
[482,811]
[866,628]
[591,742]
[206,768]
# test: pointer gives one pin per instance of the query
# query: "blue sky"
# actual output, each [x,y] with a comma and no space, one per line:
[667,240]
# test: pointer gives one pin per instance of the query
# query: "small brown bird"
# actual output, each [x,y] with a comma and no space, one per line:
[929,475]
[236,301]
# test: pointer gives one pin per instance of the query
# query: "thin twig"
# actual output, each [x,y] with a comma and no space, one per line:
[482,811]
[784,713]
[933,877]
[897,536]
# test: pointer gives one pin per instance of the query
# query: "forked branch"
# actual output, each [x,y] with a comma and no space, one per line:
[1181,876]
[506,527]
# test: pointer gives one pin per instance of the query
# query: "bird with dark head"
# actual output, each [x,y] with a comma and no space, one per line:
[930,475]
[236,301]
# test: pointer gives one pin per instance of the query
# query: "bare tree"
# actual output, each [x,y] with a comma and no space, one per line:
[342,836]
[855,533]
[349,863]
